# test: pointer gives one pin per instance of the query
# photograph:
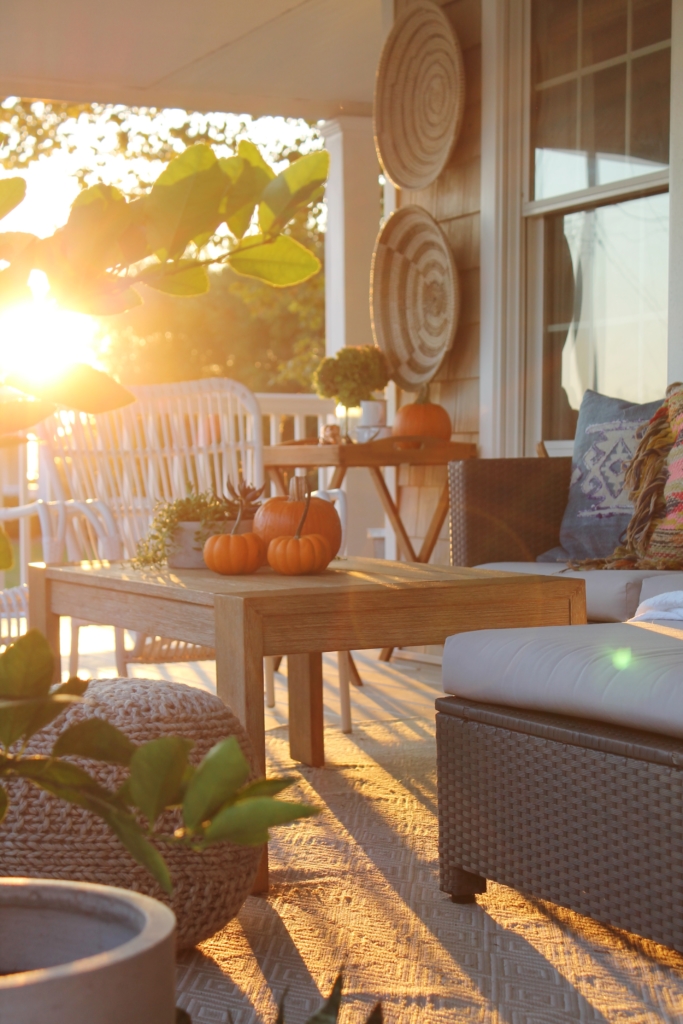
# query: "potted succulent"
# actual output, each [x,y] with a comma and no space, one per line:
[70,951]
[352,376]
[180,528]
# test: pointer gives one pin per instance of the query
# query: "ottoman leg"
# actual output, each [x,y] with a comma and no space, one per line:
[463,885]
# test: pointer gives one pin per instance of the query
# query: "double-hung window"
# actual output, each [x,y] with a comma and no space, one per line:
[597,203]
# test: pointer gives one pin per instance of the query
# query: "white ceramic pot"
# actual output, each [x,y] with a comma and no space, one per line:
[365,434]
[374,413]
[186,550]
[78,953]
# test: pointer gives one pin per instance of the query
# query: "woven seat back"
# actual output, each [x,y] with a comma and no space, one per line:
[173,440]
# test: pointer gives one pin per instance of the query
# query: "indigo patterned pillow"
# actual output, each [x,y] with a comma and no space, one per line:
[599,509]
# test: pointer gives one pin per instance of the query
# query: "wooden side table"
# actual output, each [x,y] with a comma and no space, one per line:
[374,456]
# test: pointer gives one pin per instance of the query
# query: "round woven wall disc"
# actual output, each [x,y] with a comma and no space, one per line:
[419,96]
[414,296]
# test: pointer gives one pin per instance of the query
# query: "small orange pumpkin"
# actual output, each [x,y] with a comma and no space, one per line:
[299,556]
[422,418]
[279,517]
[234,554]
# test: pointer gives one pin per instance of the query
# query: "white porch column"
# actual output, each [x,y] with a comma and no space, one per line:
[353,210]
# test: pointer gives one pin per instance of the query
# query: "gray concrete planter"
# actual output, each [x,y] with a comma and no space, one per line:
[77,953]
[186,550]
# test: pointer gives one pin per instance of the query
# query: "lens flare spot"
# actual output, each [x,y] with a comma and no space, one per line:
[622,657]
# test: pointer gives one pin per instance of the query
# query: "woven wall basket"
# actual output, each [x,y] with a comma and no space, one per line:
[43,837]
[419,96]
[414,296]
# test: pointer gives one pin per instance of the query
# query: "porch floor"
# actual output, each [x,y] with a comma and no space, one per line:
[357,888]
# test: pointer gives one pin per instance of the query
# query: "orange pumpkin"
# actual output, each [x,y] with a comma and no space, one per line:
[422,418]
[280,517]
[299,556]
[233,554]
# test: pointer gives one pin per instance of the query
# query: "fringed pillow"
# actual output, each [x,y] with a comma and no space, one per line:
[654,536]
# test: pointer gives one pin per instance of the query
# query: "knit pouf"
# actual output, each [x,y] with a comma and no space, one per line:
[43,837]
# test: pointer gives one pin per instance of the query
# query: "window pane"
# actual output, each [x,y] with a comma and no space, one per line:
[650,88]
[601,124]
[554,31]
[559,167]
[603,114]
[606,306]
[651,22]
[604,30]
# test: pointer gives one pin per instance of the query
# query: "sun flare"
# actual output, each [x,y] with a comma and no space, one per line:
[39,339]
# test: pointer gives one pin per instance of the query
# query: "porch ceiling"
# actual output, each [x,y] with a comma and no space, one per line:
[300,58]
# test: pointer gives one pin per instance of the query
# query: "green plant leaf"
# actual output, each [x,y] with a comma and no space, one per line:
[65,780]
[4,803]
[265,787]
[182,277]
[69,782]
[12,191]
[80,387]
[252,154]
[292,189]
[20,415]
[99,217]
[281,263]
[46,710]
[329,1013]
[248,177]
[248,821]
[21,718]
[216,781]
[185,200]
[6,554]
[14,244]
[26,667]
[126,828]
[157,769]
[96,739]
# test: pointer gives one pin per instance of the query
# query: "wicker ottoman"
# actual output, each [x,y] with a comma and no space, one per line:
[43,837]
[585,815]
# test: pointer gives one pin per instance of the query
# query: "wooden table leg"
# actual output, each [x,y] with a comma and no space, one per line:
[337,478]
[239,682]
[438,519]
[305,689]
[402,538]
[278,480]
[41,616]
[428,545]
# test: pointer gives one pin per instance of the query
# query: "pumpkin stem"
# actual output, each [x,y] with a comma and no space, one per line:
[423,395]
[238,520]
[297,535]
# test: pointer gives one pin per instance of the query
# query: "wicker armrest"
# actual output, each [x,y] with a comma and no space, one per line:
[506,510]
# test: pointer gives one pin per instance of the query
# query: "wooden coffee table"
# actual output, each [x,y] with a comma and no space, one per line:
[358,603]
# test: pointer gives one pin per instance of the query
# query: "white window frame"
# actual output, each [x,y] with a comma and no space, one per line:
[512,256]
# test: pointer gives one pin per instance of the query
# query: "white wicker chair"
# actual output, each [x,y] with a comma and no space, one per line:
[14,600]
[173,439]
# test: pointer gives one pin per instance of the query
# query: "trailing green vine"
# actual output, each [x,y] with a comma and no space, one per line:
[212,512]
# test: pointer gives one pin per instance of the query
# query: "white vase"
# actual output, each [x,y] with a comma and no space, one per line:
[373,413]
[78,953]
[186,551]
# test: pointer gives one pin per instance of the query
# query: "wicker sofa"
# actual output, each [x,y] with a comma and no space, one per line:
[506,512]
[579,807]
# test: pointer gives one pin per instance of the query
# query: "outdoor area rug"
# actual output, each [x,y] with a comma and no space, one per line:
[356,889]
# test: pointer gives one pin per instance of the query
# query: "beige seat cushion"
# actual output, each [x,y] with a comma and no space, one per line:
[622,673]
[612,595]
